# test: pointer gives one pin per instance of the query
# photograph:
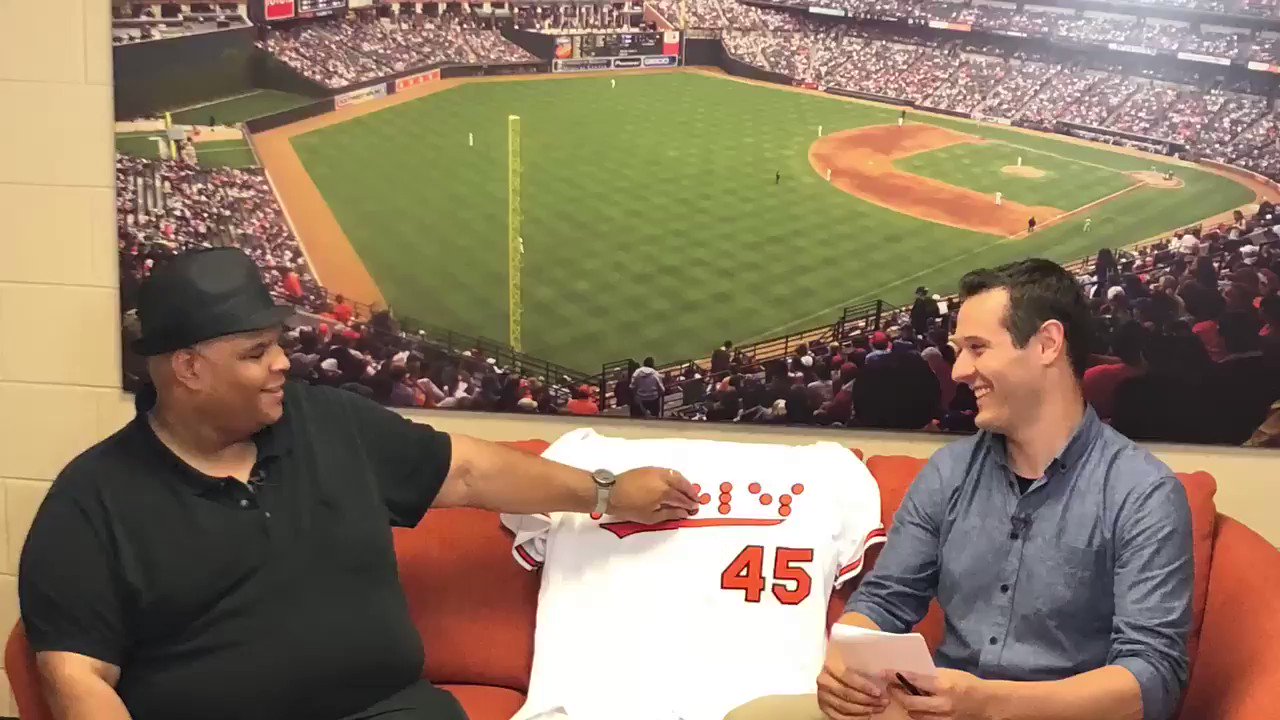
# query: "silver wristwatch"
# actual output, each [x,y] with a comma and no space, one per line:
[604,481]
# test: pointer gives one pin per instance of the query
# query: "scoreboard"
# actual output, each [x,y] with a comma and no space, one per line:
[273,10]
[617,45]
[616,51]
[318,7]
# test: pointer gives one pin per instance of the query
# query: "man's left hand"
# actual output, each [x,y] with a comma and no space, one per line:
[651,495]
[949,695]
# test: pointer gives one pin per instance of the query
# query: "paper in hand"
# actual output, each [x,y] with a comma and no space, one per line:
[872,652]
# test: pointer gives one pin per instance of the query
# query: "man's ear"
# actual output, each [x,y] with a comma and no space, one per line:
[186,367]
[1052,338]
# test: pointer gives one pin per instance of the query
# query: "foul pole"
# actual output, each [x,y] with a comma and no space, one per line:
[515,244]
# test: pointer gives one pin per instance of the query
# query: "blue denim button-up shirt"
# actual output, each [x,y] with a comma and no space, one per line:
[1091,567]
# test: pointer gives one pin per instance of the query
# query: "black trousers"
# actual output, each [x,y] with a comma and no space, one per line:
[419,701]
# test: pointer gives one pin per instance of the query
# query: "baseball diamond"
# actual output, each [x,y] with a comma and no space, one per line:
[664,193]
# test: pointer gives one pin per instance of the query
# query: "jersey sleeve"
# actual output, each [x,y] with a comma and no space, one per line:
[529,548]
[858,502]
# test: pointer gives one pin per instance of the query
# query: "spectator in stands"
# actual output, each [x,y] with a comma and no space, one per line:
[647,391]
[1101,381]
[896,390]
[1269,334]
[923,310]
[820,388]
[720,359]
[1171,401]
[1245,383]
[342,312]
[879,346]
[942,371]
[581,402]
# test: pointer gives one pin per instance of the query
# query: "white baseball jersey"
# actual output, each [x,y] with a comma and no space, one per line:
[688,619]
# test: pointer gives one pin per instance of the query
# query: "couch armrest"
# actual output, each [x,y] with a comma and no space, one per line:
[1236,671]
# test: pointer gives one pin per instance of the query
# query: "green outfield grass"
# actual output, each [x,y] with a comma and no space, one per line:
[139,144]
[225,153]
[652,222]
[1067,184]
[239,109]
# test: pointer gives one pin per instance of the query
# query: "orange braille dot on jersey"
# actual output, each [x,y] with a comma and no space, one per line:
[797,489]
[765,499]
[697,488]
[725,497]
[785,510]
[726,487]
[724,509]
[704,499]
[596,516]
[784,499]
[754,488]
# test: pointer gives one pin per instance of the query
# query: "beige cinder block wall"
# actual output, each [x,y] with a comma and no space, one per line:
[59,354]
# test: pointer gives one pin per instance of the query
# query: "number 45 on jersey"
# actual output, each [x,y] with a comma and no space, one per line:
[791,582]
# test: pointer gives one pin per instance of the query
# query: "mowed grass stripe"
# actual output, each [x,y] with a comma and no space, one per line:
[652,222]
[1067,184]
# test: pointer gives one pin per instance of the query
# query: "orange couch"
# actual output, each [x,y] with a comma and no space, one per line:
[475,608]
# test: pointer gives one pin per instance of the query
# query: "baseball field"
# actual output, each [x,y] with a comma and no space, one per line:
[676,210]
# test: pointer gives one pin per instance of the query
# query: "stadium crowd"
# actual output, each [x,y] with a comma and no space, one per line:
[350,50]
[1210,117]
[164,207]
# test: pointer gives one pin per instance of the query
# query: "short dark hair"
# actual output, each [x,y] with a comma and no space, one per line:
[1039,290]
[648,362]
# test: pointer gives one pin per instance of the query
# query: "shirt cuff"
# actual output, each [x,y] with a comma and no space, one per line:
[1156,704]
[882,619]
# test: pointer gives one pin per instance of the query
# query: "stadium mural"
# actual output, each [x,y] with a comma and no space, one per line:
[715,210]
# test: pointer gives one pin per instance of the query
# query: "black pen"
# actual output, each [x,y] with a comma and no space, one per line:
[907,684]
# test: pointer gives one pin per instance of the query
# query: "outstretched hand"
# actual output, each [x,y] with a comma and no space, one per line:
[650,495]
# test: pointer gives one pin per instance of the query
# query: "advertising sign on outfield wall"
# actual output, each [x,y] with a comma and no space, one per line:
[355,97]
[826,11]
[1264,67]
[940,25]
[1204,58]
[1133,49]
[278,9]
[671,42]
[423,78]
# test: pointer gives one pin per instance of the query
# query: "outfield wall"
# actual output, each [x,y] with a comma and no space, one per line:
[158,75]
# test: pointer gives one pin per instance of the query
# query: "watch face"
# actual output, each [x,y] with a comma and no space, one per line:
[604,477]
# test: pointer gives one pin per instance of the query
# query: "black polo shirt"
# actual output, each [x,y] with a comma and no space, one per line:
[219,600]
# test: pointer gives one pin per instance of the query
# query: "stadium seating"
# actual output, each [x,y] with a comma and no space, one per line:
[475,608]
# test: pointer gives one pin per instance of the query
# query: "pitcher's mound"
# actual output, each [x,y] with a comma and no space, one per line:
[1155,179]
[1025,171]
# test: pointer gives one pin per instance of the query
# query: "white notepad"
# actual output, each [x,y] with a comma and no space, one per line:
[872,652]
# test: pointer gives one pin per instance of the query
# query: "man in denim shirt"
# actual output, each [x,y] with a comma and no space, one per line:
[1059,551]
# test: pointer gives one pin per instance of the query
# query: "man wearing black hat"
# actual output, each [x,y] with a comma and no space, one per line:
[922,311]
[227,555]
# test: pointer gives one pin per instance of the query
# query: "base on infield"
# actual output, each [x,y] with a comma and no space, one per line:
[1024,171]
[1156,180]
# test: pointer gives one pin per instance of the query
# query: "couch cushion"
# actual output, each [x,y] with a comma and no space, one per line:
[485,702]
[1200,487]
[472,604]
[894,474]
